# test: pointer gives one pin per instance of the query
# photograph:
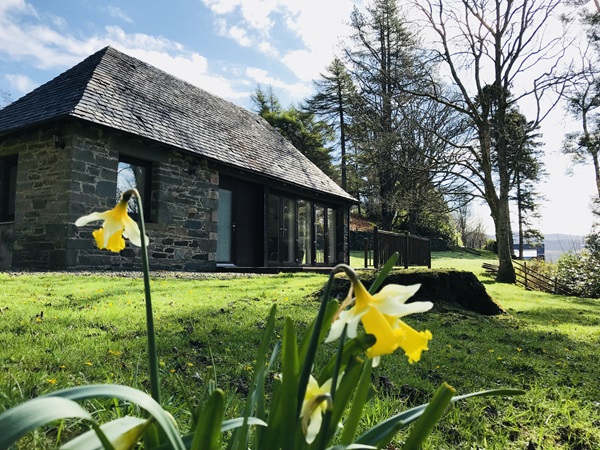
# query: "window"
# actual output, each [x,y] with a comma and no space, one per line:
[133,173]
[8,188]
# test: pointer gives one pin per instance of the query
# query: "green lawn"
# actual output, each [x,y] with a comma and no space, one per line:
[62,330]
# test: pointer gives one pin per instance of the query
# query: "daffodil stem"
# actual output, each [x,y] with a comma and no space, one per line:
[325,435]
[152,355]
[307,365]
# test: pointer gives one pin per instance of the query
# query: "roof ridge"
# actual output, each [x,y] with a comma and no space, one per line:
[116,90]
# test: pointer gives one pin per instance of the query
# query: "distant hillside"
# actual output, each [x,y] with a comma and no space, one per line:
[557,244]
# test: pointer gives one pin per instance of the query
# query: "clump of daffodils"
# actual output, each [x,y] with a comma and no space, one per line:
[116,226]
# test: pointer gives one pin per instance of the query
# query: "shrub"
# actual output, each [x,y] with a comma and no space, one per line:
[580,271]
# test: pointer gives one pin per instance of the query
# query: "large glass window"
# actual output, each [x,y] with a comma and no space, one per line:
[304,232]
[8,188]
[273,228]
[289,230]
[320,234]
[300,231]
[331,237]
[225,226]
[133,173]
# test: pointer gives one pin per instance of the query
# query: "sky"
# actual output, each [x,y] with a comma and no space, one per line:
[229,48]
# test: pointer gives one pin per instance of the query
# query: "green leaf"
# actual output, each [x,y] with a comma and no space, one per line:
[259,396]
[163,419]
[207,435]
[283,419]
[431,415]
[351,447]
[225,426]
[315,338]
[360,398]
[123,433]
[389,265]
[330,310]
[351,348]
[389,427]
[239,441]
[343,394]
[239,421]
[25,417]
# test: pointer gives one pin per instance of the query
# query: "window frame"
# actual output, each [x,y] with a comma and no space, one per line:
[9,188]
[146,192]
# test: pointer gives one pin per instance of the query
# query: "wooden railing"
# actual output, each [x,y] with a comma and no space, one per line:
[532,279]
[413,250]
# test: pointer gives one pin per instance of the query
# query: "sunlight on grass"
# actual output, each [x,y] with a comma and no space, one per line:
[64,330]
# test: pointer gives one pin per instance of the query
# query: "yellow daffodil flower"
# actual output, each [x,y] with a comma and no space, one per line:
[116,226]
[316,401]
[380,315]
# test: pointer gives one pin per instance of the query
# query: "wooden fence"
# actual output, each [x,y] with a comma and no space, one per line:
[413,250]
[532,279]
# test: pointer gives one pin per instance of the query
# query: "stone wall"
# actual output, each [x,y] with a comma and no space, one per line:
[41,209]
[70,171]
[182,225]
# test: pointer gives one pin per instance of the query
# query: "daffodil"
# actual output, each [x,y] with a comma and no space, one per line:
[116,226]
[380,315]
[316,401]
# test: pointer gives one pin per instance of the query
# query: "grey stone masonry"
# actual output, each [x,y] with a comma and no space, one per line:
[58,183]
[181,206]
[41,220]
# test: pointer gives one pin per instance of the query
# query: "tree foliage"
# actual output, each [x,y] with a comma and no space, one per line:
[299,127]
[391,132]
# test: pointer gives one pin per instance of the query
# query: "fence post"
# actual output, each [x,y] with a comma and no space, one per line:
[525,273]
[366,253]
[429,253]
[375,248]
[407,247]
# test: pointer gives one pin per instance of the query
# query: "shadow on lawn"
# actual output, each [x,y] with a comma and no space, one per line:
[568,315]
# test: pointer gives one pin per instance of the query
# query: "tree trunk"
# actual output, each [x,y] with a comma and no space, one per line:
[506,271]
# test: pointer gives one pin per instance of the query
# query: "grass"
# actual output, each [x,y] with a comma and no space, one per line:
[62,330]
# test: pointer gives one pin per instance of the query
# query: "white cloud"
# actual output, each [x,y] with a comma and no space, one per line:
[118,13]
[235,32]
[296,90]
[25,38]
[20,83]
[317,25]
[255,13]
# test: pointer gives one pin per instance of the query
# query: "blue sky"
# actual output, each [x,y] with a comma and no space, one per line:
[229,47]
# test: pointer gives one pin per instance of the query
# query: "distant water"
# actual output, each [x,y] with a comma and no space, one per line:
[557,244]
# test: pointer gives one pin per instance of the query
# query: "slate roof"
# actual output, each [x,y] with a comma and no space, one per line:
[116,90]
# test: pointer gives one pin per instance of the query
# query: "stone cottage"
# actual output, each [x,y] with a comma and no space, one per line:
[220,186]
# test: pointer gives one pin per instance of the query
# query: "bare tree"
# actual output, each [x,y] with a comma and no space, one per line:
[471,229]
[583,101]
[492,49]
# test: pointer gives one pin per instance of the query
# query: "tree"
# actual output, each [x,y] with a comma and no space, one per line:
[490,47]
[382,59]
[524,154]
[332,102]
[299,127]
[583,101]
[470,229]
